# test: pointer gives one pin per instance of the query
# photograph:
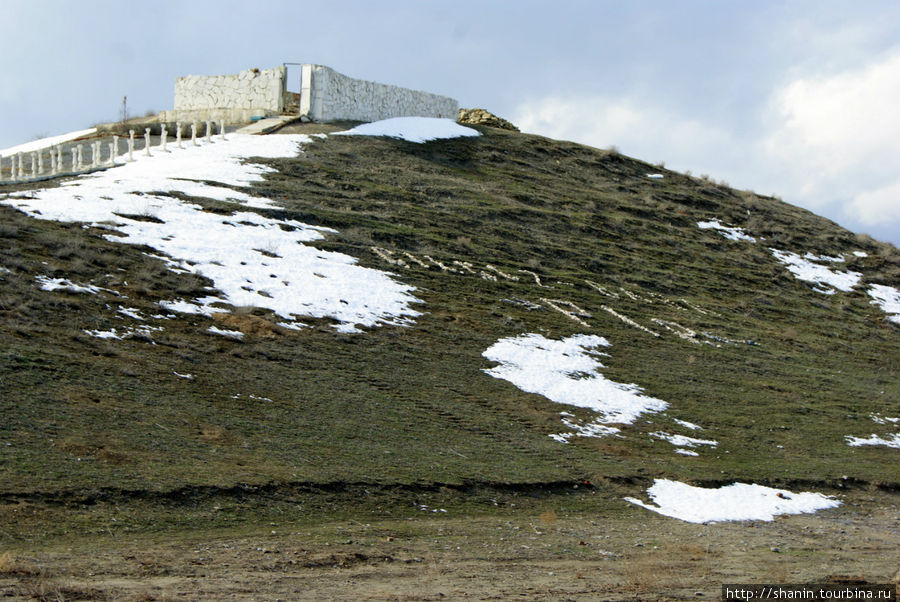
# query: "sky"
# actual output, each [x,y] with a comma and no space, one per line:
[794,99]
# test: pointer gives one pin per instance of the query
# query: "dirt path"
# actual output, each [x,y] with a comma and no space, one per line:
[534,556]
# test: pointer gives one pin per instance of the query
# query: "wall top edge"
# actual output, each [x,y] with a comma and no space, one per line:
[326,67]
[252,72]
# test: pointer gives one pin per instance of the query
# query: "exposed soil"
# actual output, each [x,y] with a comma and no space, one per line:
[532,554]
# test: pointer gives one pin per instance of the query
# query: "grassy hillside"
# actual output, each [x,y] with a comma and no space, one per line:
[524,227]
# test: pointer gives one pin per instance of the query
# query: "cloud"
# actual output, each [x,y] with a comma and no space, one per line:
[843,128]
[825,142]
[877,207]
[642,130]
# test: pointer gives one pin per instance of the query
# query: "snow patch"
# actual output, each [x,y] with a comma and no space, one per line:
[729,232]
[566,371]
[888,299]
[118,335]
[104,334]
[62,284]
[412,129]
[131,312]
[253,260]
[186,307]
[890,441]
[591,429]
[232,334]
[688,425]
[878,419]
[682,440]
[738,501]
[804,268]
[825,258]
[655,176]
[686,452]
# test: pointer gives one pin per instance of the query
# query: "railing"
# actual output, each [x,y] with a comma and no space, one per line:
[72,158]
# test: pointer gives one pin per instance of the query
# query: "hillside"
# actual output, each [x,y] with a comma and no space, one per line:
[374,325]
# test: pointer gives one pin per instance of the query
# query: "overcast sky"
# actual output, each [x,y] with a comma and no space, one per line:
[796,99]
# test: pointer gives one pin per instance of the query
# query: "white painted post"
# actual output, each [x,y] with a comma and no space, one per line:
[112,153]
[12,168]
[194,133]
[164,133]
[115,154]
[33,165]
[222,129]
[80,156]
[53,161]
[40,156]
[59,158]
[74,158]
[208,129]
[131,145]
[95,153]
[147,142]
[178,133]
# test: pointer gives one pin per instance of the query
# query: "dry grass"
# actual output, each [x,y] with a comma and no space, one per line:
[250,324]
[548,518]
[12,565]
[644,574]
[101,448]
[215,434]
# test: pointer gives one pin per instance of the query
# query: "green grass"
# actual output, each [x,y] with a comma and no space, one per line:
[412,406]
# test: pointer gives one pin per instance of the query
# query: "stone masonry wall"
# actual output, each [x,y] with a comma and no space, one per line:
[251,91]
[327,95]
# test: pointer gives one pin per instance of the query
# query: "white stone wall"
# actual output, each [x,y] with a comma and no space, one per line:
[247,92]
[327,95]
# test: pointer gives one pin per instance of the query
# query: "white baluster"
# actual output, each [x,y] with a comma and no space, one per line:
[40,156]
[164,133]
[147,142]
[33,164]
[115,154]
[12,168]
[95,153]
[222,129]
[74,158]
[21,167]
[194,134]
[131,145]
[80,156]
[53,161]
[178,133]
[208,128]
[112,153]
[59,162]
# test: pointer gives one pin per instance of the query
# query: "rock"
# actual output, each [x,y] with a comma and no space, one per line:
[483,117]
